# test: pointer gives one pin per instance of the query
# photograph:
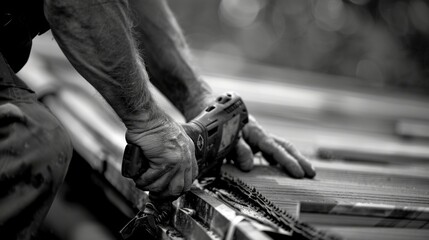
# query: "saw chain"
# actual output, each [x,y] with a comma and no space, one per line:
[235,191]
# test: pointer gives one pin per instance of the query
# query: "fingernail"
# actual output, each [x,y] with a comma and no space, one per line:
[311,173]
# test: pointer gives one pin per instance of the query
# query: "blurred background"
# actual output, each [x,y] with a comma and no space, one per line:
[380,43]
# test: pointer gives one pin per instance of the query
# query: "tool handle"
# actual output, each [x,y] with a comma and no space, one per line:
[214,132]
[135,163]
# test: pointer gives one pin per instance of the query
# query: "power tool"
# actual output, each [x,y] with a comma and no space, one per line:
[215,131]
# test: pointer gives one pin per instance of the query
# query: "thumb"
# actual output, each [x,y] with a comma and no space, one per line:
[242,156]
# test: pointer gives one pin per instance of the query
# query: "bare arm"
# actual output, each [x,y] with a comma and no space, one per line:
[96,37]
[166,53]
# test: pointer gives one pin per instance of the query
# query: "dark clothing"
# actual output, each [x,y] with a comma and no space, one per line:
[20,22]
[35,152]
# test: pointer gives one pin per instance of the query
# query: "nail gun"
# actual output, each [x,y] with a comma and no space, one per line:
[215,131]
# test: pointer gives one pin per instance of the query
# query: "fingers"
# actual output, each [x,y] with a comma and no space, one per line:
[170,185]
[242,156]
[273,151]
[181,182]
[276,150]
[176,186]
[303,162]
[194,169]
[187,182]
[155,179]
[171,158]
[170,182]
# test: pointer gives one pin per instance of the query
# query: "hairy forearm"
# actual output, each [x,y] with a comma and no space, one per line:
[96,38]
[166,54]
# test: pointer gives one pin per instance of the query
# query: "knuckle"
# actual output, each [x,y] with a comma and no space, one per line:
[288,145]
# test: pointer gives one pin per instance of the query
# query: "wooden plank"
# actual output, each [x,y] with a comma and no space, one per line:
[415,129]
[349,195]
[339,186]
[359,233]
[214,217]
[384,153]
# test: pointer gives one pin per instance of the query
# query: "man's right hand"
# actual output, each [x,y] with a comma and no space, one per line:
[171,155]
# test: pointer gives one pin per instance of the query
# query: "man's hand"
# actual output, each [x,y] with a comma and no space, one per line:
[255,139]
[171,154]
[274,150]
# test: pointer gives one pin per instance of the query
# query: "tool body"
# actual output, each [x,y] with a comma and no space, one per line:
[215,131]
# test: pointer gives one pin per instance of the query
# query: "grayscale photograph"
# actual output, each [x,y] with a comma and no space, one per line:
[214,120]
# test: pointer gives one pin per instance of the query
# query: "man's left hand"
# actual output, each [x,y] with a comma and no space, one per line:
[274,149]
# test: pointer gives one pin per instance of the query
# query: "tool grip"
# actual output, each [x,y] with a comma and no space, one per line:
[134,162]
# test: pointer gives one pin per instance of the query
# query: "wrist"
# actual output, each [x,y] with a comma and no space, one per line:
[196,107]
[145,119]
[196,103]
